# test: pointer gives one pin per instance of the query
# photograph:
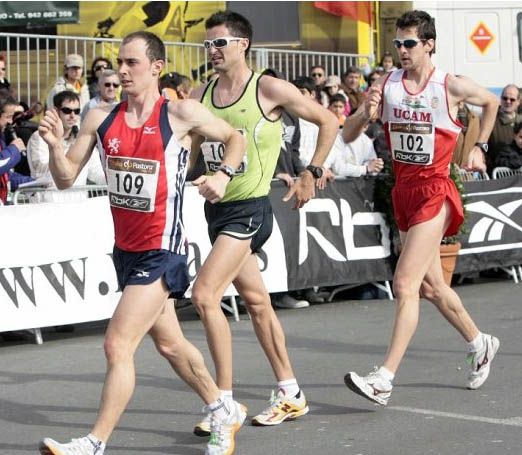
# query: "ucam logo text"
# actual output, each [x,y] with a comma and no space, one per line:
[340,215]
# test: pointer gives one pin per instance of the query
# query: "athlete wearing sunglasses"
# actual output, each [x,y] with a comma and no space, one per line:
[418,105]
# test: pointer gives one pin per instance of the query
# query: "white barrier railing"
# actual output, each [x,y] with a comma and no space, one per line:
[34,62]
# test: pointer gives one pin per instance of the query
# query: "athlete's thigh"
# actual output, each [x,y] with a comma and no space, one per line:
[137,310]
[224,262]
[420,245]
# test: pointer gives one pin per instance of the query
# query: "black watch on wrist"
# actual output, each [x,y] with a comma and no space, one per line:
[227,170]
[482,146]
[316,171]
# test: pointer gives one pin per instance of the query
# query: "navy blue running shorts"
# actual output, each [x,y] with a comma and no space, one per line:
[145,267]
[247,219]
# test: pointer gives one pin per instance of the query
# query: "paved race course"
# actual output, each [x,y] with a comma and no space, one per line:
[53,389]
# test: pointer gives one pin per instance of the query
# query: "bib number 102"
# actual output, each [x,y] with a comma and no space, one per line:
[411,143]
[129,184]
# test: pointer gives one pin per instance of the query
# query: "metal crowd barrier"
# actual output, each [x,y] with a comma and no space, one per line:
[34,62]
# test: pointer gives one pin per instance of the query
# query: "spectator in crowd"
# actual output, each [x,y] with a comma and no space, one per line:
[387,62]
[288,167]
[352,82]
[507,117]
[99,65]
[11,147]
[374,77]
[71,80]
[185,88]
[375,131]
[169,84]
[468,134]
[318,75]
[108,85]
[67,104]
[511,155]
[332,87]
[308,130]
[352,159]
[337,105]
[4,83]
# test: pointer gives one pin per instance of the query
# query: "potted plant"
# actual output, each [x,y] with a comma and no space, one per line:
[449,247]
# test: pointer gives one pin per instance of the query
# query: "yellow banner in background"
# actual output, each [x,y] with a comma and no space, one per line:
[171,21]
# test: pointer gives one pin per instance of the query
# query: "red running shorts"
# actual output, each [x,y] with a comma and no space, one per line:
[419,202]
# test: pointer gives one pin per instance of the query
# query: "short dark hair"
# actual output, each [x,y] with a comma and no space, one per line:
[351,70]
[239,26]
[66,95]
[155,49]
[7,101]
[170,80]
[422,20]
[517,128]
[335,98]
[318,66]
[305,82]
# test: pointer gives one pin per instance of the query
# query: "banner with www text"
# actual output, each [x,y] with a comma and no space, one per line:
[59,269]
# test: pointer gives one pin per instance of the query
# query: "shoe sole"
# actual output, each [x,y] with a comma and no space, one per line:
[46,450]
[289,417]
[355,388]
[496,345]
[202,433]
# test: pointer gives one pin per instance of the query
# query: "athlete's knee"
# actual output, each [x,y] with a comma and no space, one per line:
[434,291]
[116,348]
[203,298]
[404,288]
[257,303]
[169,349]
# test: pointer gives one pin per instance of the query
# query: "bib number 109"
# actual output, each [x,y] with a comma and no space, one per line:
[129,184]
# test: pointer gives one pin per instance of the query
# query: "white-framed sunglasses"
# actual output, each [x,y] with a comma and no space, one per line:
[218,43]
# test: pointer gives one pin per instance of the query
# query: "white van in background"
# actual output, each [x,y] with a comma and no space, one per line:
[481,40]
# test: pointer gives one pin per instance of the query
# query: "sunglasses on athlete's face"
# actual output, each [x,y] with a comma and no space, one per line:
[68,110]
[409,43]
[111,84]
[508,99]
[219,43]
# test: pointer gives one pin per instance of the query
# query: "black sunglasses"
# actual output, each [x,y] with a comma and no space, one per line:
[68,110]
[101,67]
[407,43]
[507,98]
[2,68]
[111,84]
[317,74]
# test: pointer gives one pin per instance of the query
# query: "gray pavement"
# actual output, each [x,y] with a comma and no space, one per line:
[53,389]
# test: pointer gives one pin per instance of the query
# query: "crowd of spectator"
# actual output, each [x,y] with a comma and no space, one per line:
[24,156]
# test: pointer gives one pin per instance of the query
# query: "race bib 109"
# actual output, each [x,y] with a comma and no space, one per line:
[132,183]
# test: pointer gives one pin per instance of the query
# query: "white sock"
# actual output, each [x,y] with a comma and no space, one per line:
[227,395]
[289,387]
[476,344]
[97,441]
[220,408]
[386,374]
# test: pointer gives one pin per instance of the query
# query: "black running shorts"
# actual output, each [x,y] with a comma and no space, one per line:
[249,219]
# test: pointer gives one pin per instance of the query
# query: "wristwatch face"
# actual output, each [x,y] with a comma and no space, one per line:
[317,172]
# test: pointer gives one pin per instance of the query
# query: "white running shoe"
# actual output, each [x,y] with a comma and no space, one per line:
[480,362]
[372,387]
[223,432]
[81,446]
[282,408]
[203,428]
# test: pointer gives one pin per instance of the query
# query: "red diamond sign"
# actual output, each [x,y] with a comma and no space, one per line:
[482,37]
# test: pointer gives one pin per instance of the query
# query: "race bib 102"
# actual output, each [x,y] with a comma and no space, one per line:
[412,143]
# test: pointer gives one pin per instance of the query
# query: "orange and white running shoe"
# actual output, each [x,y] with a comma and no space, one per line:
[282,408]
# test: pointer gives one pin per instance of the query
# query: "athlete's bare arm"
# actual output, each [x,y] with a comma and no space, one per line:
[275,94]
[195,119]
[65,168]
[461,88]
[370,108]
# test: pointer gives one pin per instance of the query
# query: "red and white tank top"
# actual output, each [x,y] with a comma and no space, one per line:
[145,169]
[420,131]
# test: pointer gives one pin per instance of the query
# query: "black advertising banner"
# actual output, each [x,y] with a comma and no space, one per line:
[38,13]
[336,238]
[493,225]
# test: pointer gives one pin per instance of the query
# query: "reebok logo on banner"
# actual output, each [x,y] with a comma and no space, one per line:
[491,225]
